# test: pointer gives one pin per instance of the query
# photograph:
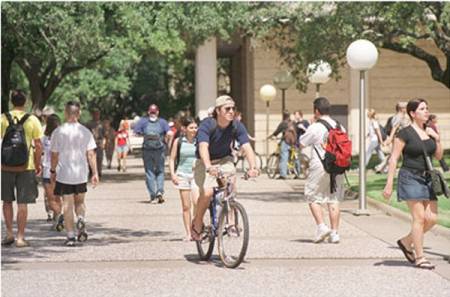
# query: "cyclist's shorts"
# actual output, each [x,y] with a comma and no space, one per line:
[204,180]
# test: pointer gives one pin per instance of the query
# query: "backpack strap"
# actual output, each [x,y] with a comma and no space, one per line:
[24,119]
[9,118]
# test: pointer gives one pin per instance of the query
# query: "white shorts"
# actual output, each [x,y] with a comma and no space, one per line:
[317,187]
[185,181]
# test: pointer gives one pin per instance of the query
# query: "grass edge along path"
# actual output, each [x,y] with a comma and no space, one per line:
[375,185]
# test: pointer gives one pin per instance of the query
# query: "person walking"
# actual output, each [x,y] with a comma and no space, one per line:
[97,129]
[122,143]
[375,139]
[19,178]
[413,183]
[318,184]
[110,141]
[214,138]
[73,147]
[54,201]
[432,123]
[288,139]
[157,135]
[181,162]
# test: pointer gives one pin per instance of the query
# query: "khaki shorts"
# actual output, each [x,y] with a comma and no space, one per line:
[204,180]
[317,187]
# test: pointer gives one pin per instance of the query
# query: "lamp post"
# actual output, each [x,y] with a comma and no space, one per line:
[319,73]
[283,80]
[362,55]
[267,94]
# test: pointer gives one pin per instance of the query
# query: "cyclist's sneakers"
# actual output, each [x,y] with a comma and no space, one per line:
[160,197]
[322,233]
[71,241]
[334,237]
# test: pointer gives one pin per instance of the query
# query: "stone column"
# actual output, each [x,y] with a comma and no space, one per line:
[205,77]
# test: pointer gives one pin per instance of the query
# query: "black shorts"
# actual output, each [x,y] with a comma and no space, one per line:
[65,189]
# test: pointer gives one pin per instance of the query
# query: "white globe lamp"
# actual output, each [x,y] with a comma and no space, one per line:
[319,73]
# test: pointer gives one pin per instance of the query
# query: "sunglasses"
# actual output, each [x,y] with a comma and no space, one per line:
[230,108]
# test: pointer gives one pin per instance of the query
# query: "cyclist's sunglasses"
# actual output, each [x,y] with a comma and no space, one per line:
[227,109]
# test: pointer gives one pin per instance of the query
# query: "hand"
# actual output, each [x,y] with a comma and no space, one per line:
[213,171]
[95,180]
[387,193]
[174,179]
[38,169]
[432,134]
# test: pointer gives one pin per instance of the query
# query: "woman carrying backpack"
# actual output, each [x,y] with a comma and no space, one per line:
[182,158]
[375,138]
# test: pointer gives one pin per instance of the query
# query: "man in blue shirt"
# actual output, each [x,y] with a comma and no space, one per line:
[157,135]
[215,137]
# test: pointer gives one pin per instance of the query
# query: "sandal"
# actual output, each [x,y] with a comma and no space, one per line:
[7,241]
[22,243]
[409,255]
[196,235]
[423,263]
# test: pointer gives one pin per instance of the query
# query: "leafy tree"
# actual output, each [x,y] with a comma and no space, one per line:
[307,32]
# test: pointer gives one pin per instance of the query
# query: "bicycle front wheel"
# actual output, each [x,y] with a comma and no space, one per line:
[233,235]
[272,166]
[206,245]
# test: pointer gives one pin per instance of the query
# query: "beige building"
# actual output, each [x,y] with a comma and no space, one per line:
[395,77]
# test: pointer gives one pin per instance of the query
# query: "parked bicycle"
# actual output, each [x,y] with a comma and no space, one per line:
[227,221]
[239,157]
[273,163]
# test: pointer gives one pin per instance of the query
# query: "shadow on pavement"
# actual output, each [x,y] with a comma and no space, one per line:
[125,177]
[215,260]
[393,263]
[273,197]
[45,243]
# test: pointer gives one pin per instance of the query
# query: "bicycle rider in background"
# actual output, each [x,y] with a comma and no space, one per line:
[288,140]
[237,149]
[214,153]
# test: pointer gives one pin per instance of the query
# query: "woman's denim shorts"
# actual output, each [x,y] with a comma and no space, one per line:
[412,185]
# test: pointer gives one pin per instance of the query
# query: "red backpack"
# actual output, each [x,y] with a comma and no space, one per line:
[338,152]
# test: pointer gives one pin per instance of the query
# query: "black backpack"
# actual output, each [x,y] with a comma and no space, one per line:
[14,144]
[388,127]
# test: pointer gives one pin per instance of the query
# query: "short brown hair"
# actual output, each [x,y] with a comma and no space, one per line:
[18,98]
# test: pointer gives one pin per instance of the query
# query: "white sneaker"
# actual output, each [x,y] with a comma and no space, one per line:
[322,234]
[334,238]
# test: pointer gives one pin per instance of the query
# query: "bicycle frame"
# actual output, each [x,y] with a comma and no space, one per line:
[220,201]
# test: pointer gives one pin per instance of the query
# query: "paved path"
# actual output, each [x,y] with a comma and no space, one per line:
[135,249]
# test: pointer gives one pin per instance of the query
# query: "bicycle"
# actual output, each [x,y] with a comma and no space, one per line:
[227,221]
[273,163]
[239,156]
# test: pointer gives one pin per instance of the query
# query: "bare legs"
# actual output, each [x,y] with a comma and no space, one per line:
[188,197]
[73,203]
[22,214]
[333,212]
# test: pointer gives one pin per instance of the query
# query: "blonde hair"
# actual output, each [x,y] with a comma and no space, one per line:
[371,113]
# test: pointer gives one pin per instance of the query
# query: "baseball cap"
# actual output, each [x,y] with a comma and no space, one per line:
[153,108]
[224,99]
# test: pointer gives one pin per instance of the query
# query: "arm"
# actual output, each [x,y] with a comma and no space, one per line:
[391,136]
[250,155]
[278,130]
[173,156]
[38,155]
[168,139]
[53,163]
[93,164]
[203,150]
[396,152]
[439,153]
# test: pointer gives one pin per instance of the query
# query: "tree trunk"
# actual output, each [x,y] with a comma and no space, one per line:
[7,60]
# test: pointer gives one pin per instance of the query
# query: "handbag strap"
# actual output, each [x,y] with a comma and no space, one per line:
[427,158]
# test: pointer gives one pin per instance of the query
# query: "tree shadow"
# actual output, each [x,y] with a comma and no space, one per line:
[273,197]
[46,243]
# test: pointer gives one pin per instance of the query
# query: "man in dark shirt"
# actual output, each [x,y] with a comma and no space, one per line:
[214,139]
[284,146]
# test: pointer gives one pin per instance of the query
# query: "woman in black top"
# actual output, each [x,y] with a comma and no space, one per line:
[414,184]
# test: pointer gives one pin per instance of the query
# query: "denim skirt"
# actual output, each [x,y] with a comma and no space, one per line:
[412,185]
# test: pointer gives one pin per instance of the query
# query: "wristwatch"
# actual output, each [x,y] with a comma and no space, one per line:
[52,171]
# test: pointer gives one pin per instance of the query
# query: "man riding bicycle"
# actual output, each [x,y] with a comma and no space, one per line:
[215,137]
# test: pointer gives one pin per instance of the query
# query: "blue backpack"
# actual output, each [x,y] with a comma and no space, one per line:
[153,136]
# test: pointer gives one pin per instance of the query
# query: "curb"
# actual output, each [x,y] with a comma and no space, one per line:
[392,211]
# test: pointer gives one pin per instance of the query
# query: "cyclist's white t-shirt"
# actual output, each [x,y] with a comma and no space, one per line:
[72,141]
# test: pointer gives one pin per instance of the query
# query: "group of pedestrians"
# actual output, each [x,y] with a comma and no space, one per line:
[200,152]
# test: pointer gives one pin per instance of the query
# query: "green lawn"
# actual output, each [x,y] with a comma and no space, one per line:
[375,185]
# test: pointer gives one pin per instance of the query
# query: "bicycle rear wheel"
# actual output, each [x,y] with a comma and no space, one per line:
[258,161]
[206,245]
[272,166]
[233,235]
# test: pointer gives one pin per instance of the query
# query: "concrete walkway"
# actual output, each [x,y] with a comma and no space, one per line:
[136,249]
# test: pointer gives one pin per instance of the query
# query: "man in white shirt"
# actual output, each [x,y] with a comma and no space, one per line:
[317,186]
[72,146]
